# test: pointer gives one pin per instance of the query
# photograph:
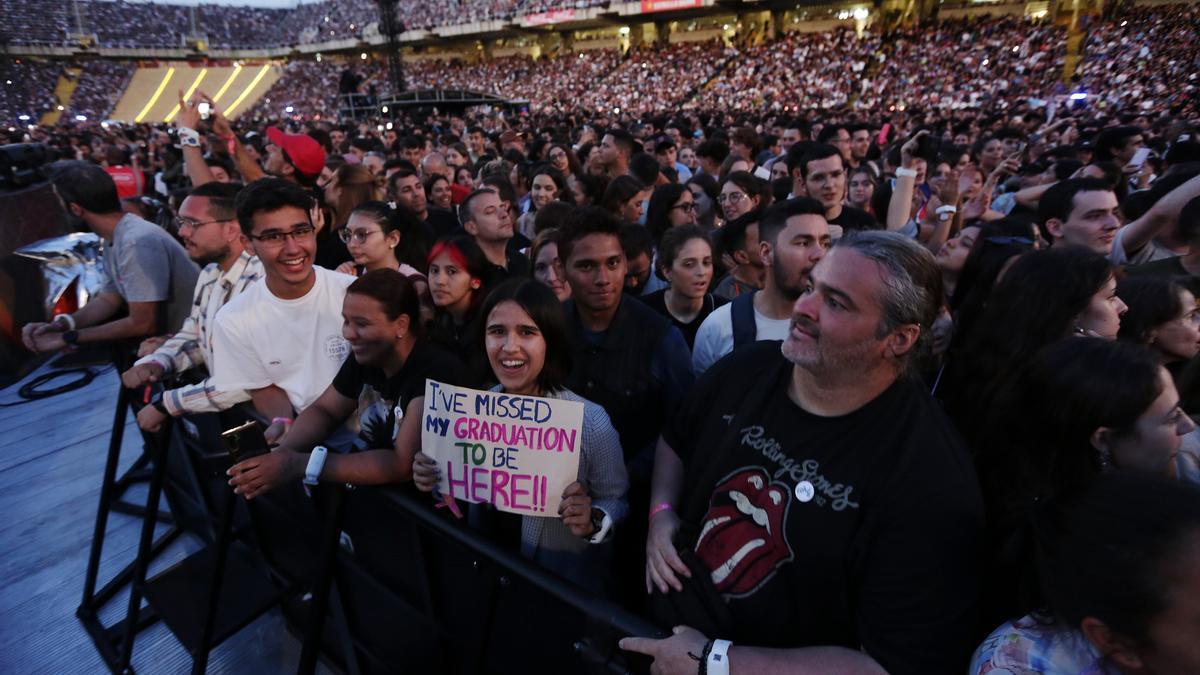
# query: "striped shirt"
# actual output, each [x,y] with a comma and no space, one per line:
[192,345]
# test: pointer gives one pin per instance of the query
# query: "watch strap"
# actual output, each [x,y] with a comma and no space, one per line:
[316,462]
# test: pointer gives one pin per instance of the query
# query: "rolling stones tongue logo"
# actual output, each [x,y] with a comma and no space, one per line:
[742,538]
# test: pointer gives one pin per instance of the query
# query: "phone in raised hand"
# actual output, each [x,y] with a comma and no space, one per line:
[204,109]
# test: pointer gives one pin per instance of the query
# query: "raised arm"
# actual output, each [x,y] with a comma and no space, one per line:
[1164,212]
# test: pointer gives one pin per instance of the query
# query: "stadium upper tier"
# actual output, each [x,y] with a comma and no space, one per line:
[122,24]
[1146,59]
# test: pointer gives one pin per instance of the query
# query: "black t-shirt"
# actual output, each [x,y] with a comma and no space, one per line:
[658,302]
[379,395]
[860,530]
[441,223]
[331,251]
[854,220]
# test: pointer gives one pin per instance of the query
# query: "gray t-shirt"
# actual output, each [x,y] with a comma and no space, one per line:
[144,263]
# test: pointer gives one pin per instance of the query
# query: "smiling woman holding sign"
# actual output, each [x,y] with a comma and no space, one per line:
[525,338]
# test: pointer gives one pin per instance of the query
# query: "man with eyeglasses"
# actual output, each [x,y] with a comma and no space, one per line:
[148,272]
[209,229]
[281,340]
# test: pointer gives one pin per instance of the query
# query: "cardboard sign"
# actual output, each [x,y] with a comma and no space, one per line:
[518,453]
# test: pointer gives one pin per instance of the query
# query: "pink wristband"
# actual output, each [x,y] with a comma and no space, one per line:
[287,421]
[659,509]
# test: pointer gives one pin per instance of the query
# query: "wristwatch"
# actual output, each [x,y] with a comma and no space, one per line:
[601,524]
[70,337]
[156,401]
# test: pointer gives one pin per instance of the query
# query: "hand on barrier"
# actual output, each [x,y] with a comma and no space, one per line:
[254,476]
[139,376]
[662,560]
[150,419]
[36,335]
[676,655]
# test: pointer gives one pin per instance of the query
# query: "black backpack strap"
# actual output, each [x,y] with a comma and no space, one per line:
[741,314]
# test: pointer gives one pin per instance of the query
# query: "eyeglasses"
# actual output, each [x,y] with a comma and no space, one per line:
[730,198]
[356,236]
[301,233]
[181,223]
[685,207]
[558,155]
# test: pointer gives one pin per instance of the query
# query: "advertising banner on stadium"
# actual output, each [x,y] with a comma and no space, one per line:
[668,5]
[545,18]
[517,453]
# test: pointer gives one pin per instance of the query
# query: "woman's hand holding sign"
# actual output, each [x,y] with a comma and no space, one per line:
[576,510]
[425,472]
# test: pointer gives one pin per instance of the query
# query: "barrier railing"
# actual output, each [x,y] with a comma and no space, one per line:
[375,579]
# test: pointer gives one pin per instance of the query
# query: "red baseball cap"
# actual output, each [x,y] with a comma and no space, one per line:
[306,153]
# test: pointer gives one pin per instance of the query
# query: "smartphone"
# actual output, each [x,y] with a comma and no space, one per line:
[204,109]
[245,441]
[1140,157]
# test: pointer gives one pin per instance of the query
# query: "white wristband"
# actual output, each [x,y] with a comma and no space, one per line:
[718,658]
[605,527]
[946,209]
[67,319]
[906,173]
[316,462]
[188,138]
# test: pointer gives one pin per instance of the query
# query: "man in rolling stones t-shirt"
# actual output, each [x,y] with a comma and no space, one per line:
[810,494]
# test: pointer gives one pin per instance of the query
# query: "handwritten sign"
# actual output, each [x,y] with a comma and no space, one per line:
[517,453]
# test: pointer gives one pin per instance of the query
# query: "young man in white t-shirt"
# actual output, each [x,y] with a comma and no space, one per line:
[793,237]
[281,340]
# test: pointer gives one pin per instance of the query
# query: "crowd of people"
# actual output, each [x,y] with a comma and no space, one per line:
[28,89]
[117,23]
[1144,56]
[97,88]
[853,382]
[905,388]
[818,70]
[968,63]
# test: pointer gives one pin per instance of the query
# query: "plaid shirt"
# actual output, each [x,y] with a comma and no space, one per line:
[192,345]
